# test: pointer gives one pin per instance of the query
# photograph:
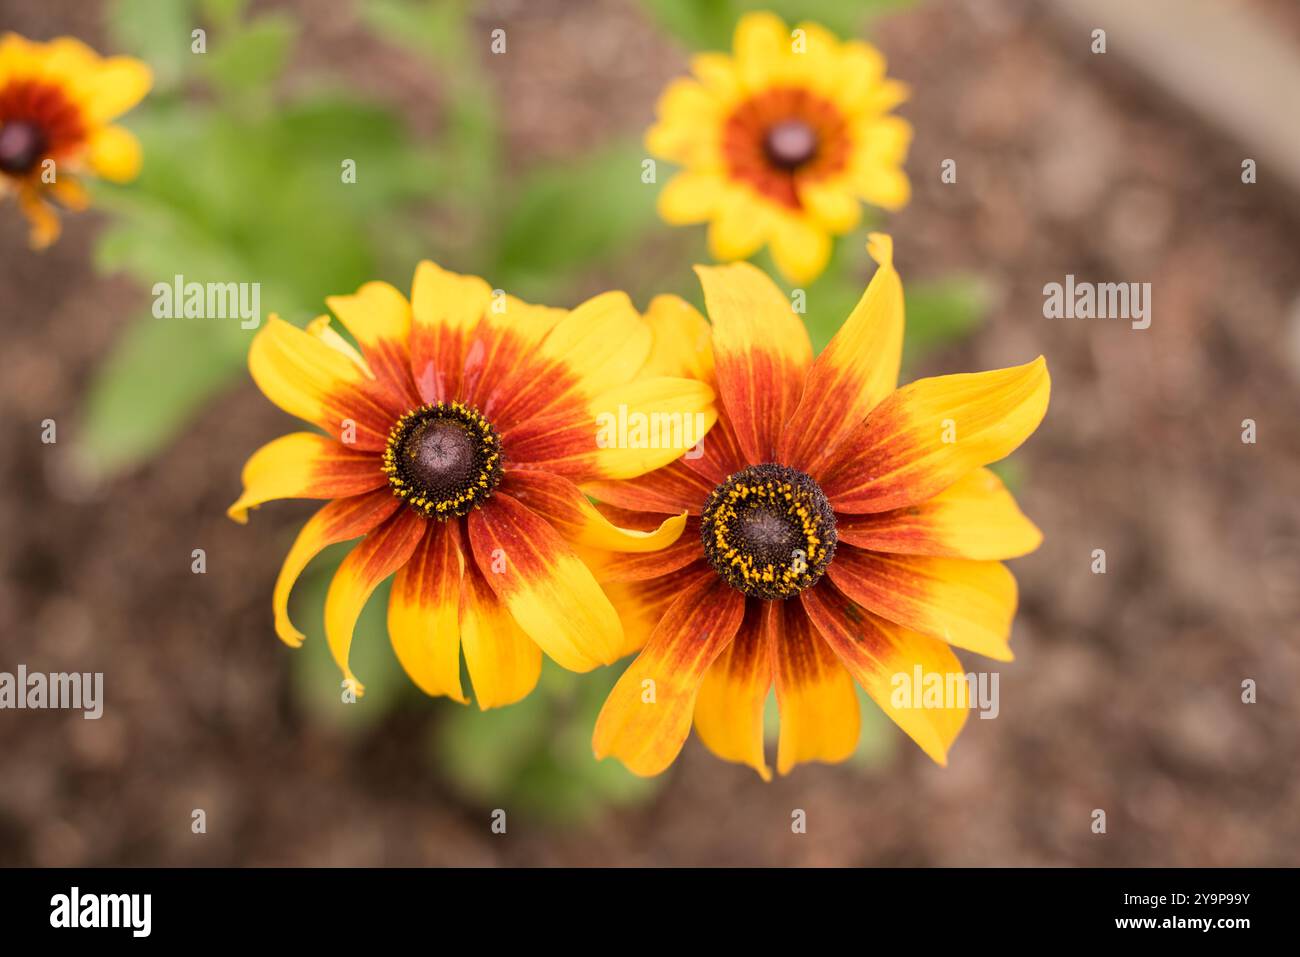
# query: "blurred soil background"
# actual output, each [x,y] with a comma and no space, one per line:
[1126,691]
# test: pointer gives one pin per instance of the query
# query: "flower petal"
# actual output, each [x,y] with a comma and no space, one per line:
[610,566]
[875,651]
[974,518]
[503,662]
[570,512]
[690,197]
[820,718]
[669,490]
[308,378]
[627,431]
[424,612]
[115,154]
[966,603]
[647,717]
[682,344]
[854,373]
[382,552]
[729,710]
[544,584]
[379,318]
[718,456]
[642,604]
[927,435]
[339,521]
[445,311]
[121,83]
[305,465]
[761,353]
[801,248]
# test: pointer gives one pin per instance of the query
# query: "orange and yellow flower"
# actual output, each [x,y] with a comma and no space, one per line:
[57,101]
[452,443]
[841,529]
[781,142]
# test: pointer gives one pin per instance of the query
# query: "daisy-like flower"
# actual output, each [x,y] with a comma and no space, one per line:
[57,101]
[453,441]
[841,529]
[780,142]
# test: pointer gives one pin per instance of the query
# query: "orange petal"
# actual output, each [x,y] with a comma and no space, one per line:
[966,603]
[537,576]
[927,435]
[424,612]
[610,566]
[642,604]
[857,369]
[382,552]
[571,513]
[729,711]
[305,376]
[503,662]
[379,318]
[819,708]
[647,717]
[445,312]
[670,490]
[305,465]
[761,354]
[506,337]
[881,656]
[719,454]
[339,521]
[974,518]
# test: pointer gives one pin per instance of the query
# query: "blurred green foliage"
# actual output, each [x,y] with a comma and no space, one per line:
[709,24]
[242,182]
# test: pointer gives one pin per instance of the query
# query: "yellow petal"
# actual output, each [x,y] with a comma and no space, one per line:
[819,709]
[927,435]
[682,343]
[647,717]
[800,248]
[382,552]
[121,83]
[571,513]
[690,197]
[856,370]
[545,586]
[376,314]
[761,353]
[503,662]
[762,45]
[603,342]
[975,518]
[339,521]
[966,603]
[729,710]
[305,465]
[882,657]
[424,612]
[831,204]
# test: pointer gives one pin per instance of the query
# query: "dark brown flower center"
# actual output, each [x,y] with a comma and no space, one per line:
[769,531]
[790,144]
[21,145]
[443,459]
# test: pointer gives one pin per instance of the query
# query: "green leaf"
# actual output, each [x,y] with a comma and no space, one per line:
[573,215]
[156,31]
[941,312]
[247,60]
[709,24]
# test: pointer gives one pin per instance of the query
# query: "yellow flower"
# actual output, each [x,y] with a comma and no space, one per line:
[451,444]
[840,529]
[781,141]
[56,103]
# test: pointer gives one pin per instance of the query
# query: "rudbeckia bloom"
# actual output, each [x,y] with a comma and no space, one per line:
[841,529]
[56,103]
[780,142]
[453,441]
